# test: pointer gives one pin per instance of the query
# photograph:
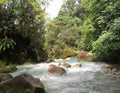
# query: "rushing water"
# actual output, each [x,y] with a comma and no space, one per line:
[87,79]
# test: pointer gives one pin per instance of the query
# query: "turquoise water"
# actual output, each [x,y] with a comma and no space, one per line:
[88,79]
[71,60]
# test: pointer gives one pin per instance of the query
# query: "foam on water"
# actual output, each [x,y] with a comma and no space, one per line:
[87,79]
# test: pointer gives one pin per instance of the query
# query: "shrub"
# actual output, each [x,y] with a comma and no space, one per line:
[107,46]
[67,53]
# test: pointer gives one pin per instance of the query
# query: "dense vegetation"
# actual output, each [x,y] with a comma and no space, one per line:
[21,31]
[90,25]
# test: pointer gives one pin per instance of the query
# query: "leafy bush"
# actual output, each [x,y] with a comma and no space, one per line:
[21,31]
[6,43]
[67,53]
[86,38]
[107,47]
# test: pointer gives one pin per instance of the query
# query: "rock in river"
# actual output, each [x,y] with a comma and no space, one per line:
[55,70]
[22,82]
[5,76]
[78,65]
[65,64]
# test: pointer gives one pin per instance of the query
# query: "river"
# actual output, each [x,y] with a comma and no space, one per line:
[88,79]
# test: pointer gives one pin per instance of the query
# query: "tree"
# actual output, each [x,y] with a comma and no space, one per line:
[62,31]
[107,33]
[21,30]
[107,46]
[86,38]
[85,27]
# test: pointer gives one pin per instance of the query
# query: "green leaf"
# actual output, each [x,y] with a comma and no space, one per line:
[5,27]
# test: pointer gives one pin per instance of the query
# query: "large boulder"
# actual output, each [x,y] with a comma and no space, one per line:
[82,54]
[55,70]
[86,56]
[23,82]
[5,76]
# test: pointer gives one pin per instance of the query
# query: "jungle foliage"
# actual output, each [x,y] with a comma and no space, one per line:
[21,31]
[90,25]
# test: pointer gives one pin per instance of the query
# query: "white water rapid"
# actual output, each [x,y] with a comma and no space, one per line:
[87,79]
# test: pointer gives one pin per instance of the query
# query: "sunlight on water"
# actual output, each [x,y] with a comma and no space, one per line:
[87,79]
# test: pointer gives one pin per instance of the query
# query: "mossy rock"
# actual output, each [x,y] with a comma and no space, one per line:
[8,69]
[18,91]
[86,56]
[68,53]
